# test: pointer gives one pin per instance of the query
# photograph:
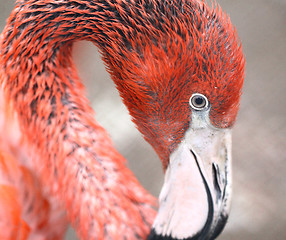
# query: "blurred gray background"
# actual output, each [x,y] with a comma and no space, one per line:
[259,137]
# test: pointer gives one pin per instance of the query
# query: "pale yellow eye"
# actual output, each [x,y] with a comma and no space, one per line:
[199,101]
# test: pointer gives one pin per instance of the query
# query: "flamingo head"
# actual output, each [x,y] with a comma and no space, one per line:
[180,74]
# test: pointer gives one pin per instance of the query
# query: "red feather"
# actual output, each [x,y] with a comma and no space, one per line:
[158,53]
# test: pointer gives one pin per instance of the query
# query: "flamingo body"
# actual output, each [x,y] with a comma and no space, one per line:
[158,53]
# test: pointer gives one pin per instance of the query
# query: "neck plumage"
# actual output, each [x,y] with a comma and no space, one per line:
[73,154]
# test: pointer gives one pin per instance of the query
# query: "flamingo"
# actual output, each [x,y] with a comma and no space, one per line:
[179,68]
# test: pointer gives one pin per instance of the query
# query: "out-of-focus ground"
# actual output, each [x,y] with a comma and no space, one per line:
[259,137]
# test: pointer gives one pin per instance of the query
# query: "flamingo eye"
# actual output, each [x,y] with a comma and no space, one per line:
[199,101]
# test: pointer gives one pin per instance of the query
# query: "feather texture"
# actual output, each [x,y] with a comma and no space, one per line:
[158,53]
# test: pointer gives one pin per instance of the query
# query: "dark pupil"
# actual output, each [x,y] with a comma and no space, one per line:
[199,101]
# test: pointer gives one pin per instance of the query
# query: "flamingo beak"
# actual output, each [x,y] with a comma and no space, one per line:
[195,198]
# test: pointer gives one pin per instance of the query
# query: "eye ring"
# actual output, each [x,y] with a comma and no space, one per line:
[198,101]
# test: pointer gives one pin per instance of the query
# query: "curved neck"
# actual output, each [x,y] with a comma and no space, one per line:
[72,153]
[37,40]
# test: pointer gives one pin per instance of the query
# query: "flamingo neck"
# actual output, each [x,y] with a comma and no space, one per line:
[71,152]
